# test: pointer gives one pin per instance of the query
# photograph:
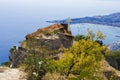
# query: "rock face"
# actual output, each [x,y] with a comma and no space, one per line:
[109,72]
[112,62]
[16,56]
[11,74]
[114,46]
[53,37]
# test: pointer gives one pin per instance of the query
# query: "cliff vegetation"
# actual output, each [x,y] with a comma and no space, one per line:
[52,53]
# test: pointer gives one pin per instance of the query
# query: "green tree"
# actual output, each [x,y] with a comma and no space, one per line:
[79,37]
[94,37]
[82,59]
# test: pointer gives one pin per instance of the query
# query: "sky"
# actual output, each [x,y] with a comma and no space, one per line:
[56,9]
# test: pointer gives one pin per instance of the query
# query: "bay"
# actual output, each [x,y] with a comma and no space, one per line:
[12,34]
[112,33]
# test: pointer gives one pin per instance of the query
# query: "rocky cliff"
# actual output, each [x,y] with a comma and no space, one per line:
[110,72]
[53,37]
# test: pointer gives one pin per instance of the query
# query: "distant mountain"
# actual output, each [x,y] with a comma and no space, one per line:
[111,20]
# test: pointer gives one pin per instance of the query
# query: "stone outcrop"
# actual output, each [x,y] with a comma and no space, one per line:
[112,62]
[60,28]
[11,74]
[109,72]
[53,37]
[16,56]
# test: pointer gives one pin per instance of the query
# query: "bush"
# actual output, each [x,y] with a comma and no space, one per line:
[7,64]
[55,32]
[35,63]
[82,59]
[92,36]
[79,37]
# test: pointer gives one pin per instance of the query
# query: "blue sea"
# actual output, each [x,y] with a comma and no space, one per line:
[13,36]
[111,33]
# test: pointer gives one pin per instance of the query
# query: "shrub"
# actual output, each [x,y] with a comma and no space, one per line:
[79,37]
[82,59]
[55,31]
[92,36]
[6,64]
[35,63]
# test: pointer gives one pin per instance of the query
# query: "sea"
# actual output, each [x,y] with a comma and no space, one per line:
[14,36]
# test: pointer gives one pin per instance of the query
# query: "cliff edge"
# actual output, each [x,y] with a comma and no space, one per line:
[52,37]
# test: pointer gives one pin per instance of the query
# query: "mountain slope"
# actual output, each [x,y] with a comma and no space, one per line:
[111,20]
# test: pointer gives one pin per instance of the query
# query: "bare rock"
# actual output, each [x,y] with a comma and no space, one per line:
[11,74]
[53,37]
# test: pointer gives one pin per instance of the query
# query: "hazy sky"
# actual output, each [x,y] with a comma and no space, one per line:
[56,9]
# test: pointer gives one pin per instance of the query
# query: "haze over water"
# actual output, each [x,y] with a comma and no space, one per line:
[20,17]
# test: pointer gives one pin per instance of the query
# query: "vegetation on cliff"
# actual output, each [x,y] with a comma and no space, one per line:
[57,57]
[80,61]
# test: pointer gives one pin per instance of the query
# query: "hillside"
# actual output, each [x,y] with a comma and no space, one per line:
[52,53]
[52,38]
[111,20]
